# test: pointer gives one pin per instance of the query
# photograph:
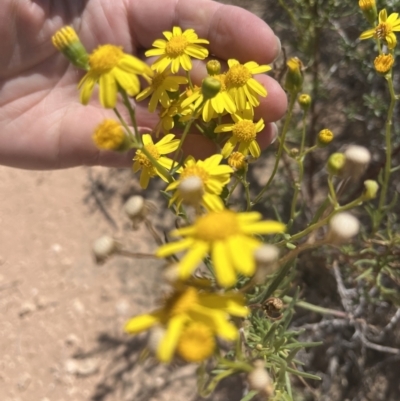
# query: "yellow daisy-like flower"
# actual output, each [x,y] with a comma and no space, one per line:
[177,50]
[213,176]
[160,84]
[163,147]
[226,236]
[244,132]
[109,135]
[241,85]
[196,343]
[112,68]
[385,28]
[220,103]
[185,307]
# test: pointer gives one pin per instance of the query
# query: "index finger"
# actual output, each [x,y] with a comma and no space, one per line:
[232,31]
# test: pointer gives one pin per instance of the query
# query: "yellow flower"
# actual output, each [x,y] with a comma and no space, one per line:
[109,135]
[325,137]
[385,28]
[242,86]
[196,343]
[226,236]
[177,50]
[212,175]
[160,84]
[163,147]
[112,68]
[244,132]
[383,63]
[294,75]
[185,307]
[220,103]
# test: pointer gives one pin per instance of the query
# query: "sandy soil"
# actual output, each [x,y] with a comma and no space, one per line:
[62,315]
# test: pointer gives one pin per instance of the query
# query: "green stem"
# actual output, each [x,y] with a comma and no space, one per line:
[132,115]
[285,128]
[315,308]
[388,163]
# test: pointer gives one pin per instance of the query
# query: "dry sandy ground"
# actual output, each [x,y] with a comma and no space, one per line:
[62,315]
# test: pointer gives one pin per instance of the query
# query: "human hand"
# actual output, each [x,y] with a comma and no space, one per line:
[42,123]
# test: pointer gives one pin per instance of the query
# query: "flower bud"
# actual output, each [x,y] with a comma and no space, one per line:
[213,67]
[294,75]
[371,188]
[342,227]
[294,152]
[259,380]
[325,137]
[266,257]
[336,163]
[357,160]
[210,87]
[368,8]
[304,101]
[67,42]
[103,248]
[383,63]
[237,161]
[191,190]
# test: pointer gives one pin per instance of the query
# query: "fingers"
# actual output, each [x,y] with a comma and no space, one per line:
[232,31]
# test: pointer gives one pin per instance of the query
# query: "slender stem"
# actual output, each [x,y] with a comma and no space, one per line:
[285,128]
[125,125]
[332,191]
[388,163]
[233,187]
[132,115]
[315,308]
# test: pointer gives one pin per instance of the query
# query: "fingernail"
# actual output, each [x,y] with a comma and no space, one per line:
[275,132]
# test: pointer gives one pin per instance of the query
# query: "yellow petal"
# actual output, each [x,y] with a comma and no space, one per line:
[224,271]
[174,247]
[143,322]
[192,259]
[167,347]
[264,227]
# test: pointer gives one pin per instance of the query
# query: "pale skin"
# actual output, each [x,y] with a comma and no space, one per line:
[42,123]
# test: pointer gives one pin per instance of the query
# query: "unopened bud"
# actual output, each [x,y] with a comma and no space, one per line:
[357,160]
[294,75]
[342,227]
[103,248]
[294,152]
[213,67]
[336,163]
[325,137]
[368,8]
[237,161]
[67,42]
[210,87]
[371,188]
[383,63]
[191,190]
[266,257]
[259,380]
[304,101]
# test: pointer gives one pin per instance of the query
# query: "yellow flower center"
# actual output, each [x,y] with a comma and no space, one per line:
[196,343]
[196,171]
[182,301]
[383,63]
[143,159]
[383,30]
[109,135]
[105,57]
[237,76]
[245,131]
[217,226]
[176,46]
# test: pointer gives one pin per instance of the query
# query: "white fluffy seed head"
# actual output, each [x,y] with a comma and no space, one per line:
[156,335]
[134,206]
[342,227]
[191,190]
[259,380]
[171,273]
[104,247]
[266,257]
[357,160]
